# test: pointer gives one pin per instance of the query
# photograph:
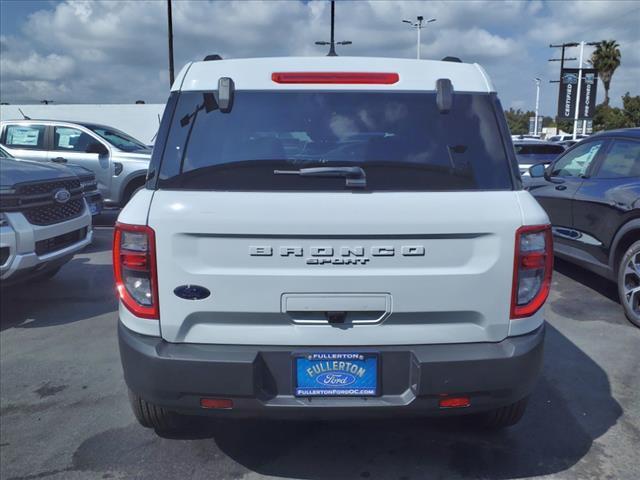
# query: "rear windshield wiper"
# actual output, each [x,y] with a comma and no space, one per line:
[355,176]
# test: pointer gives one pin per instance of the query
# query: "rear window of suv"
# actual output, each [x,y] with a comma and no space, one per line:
[400,140]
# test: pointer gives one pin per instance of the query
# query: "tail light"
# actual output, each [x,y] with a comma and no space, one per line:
[532,270]
[134,266]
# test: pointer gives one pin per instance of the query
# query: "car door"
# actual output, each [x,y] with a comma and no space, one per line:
[566,175]
[25,141]
[70,145]
[605,200]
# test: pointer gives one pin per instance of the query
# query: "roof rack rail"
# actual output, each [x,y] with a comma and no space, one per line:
[451,59]
[213,56]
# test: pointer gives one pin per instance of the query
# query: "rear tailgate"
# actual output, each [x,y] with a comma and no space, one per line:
[396,268]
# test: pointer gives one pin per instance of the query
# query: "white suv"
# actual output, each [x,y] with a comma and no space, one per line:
[332,236]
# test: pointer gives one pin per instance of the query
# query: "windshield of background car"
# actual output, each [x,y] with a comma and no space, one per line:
[120,139]
[531,152]
[401,141]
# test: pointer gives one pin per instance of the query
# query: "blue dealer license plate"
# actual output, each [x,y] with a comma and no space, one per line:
[336,374]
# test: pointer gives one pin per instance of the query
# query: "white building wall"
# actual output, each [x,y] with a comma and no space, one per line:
[139,121]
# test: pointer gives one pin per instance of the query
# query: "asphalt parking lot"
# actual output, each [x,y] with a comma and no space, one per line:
[65,415]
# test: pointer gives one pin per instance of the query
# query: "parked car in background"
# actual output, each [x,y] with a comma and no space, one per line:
[89,186]
[592,196]
[44,219]
[565,137]
[119,161]
[87,181]
[333,244]
[531,152]
[568,143]
[524,136]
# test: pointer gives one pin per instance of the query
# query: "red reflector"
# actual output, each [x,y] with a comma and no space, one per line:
[455,402]
[134,260]
[336,77]
[220,403]
[533,261]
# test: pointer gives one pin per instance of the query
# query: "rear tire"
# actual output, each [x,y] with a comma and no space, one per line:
[504,417]
[153,416]
[629,283]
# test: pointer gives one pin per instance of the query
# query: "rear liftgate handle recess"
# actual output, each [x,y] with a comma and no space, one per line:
[336,309]
[336,317]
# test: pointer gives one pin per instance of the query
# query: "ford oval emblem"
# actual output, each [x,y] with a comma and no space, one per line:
[191,292]
[339,379]
[62,195]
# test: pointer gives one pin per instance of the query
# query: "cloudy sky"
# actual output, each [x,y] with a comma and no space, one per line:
[116,51]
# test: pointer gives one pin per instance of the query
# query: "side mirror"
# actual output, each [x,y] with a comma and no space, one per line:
[537,171]
[226,90]
[98,148]
[549,178]
[444,95]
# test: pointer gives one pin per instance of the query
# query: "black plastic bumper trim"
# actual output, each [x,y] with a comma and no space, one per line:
[259,378]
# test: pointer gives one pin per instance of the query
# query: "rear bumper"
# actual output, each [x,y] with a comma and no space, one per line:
[259,379]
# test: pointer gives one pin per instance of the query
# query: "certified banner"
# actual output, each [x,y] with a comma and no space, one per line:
[588,93]
[568,98]
[568,93]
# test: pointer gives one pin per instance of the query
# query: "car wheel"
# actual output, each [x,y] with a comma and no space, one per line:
[153,416]
[629,283]
[506,416]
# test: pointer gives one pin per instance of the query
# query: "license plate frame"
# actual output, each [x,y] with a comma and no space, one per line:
[336,374]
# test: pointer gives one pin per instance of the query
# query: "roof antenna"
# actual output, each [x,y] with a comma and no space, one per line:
[24,117]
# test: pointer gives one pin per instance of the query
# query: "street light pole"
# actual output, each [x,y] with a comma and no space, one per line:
[577,112]
[332,43]
[535,122]
[332,48]
[419,28]
[170,35]
[418,25]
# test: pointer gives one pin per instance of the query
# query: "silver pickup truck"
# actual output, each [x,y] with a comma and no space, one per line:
[119,161]
[44,219]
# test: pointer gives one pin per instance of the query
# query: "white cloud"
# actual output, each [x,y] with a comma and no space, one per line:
[37,67]
[107,51]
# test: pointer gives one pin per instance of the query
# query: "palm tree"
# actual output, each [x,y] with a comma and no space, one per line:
[605,59]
